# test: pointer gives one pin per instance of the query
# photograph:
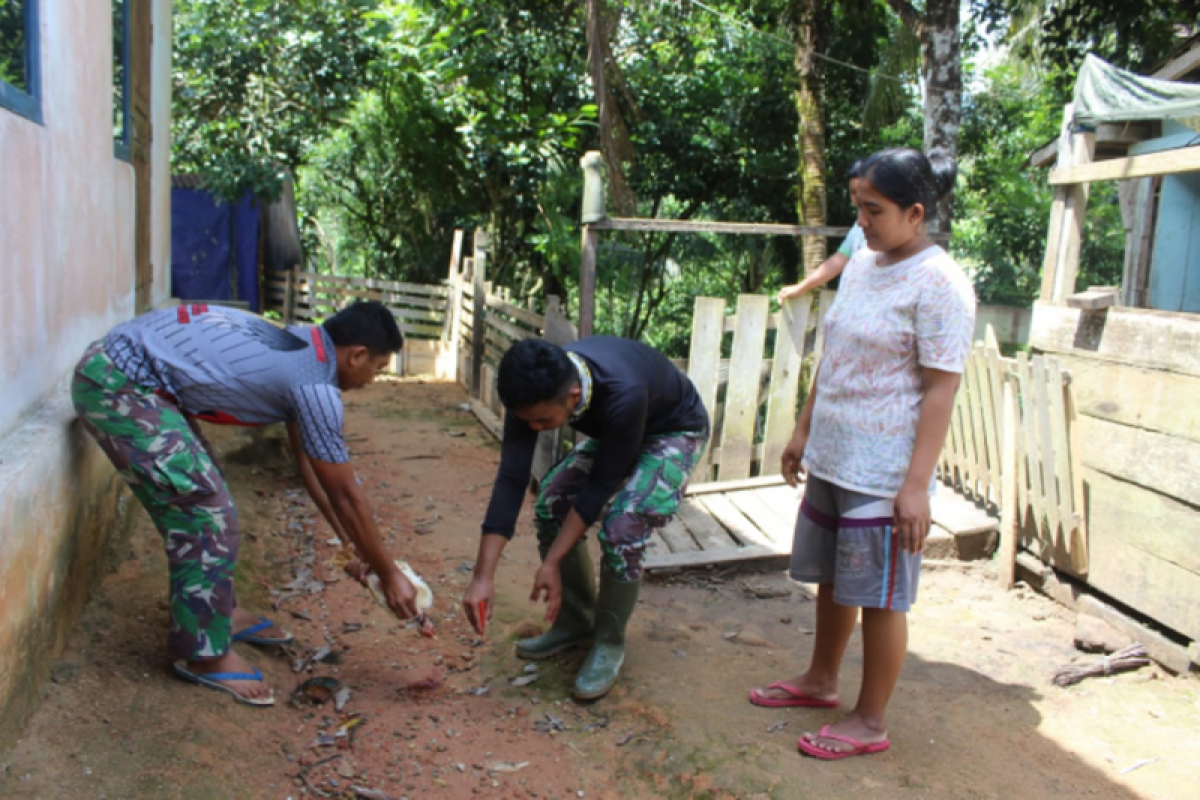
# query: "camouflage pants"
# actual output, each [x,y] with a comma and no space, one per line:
[649,498]
[171,471]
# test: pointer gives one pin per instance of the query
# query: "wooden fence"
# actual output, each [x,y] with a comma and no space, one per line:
[753,398]
[420,309]
[751,395]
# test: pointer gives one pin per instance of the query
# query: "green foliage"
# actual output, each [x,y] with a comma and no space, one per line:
[257,82]
[1003,207]
[12,43]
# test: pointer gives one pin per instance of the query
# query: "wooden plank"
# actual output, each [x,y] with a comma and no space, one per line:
[480,289]
[676,535]
[733,486]
[1143,398]
[704,529]
[655,548]
[587,281]
[784,392]
[741,399]
[525,316]
[706,226]
[1135,336]
[1041,403]
[704,360]
[489,419]
[777,529]
[825,300]
[974,412]
[1166,162]
[1054,232]
[1009,515]
[784,499]
[958,515]
[734,521]
[1030,440]
[706,557]
[1093,299]
[991,422]
[1168,465]
[1145,551]
[1062,453]
[513,331]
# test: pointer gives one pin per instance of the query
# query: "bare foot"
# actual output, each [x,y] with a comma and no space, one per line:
[243,619]
[232,662]
[803,684]
[852,727]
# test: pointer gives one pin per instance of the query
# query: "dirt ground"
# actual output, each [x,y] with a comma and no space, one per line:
[975,714]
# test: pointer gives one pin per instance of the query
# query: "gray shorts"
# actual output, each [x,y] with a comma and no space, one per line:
[846,538]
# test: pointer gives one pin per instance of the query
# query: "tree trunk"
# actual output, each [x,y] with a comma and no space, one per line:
[941,71]
[805,20]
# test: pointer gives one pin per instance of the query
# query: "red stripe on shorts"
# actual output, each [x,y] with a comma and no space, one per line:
[184,319]
[892,567]
[319,343]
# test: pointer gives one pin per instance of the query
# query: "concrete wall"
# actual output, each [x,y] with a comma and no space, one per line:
[66,277]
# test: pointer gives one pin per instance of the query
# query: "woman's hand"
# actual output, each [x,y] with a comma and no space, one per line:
[793,454]
[912,517]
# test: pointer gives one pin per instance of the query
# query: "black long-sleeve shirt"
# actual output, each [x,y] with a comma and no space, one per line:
[636,393]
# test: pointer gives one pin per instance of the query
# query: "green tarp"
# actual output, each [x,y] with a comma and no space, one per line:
[1104,93]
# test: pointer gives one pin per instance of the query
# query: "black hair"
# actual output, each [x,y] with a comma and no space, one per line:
[366,323]
[907,177]
[534,371]
[855,170]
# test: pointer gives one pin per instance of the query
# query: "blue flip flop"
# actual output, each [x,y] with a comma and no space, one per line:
[263,623]
[213,681]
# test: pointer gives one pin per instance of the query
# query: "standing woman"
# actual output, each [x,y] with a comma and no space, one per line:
[896,341]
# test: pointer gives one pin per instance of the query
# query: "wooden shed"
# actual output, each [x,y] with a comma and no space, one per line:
[1133,351]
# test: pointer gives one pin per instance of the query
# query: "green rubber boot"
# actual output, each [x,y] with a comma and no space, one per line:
[574,625]
[603,664]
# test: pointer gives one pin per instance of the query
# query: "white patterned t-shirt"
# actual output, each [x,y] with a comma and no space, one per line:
[885,325]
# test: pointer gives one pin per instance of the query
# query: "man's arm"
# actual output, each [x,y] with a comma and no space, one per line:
[499,523]
[312,485]
[350,505]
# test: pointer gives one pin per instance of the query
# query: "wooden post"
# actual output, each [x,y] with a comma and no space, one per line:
[1061,263]
[451,325]
[289,296]
[478,333]
[587,282]
[1009,512]
[593,211]
[557,329]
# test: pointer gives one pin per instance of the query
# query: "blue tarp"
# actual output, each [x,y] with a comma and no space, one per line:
[214,247]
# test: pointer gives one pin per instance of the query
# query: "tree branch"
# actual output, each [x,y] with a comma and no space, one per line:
[908,14]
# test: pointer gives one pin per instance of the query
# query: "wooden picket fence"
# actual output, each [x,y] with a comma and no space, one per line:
[420,309]
[752,396]
[1049,502]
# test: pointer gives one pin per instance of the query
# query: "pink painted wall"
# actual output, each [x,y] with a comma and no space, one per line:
[66,277]
[66,212]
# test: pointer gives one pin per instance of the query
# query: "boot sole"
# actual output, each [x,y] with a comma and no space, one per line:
[578,695]
[548,653]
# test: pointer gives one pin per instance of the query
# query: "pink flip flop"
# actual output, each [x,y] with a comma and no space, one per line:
[860,749]
[797,699]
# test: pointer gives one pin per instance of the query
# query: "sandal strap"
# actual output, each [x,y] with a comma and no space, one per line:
[232,676]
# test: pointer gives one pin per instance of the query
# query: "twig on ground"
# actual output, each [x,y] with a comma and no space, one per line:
[1132,657]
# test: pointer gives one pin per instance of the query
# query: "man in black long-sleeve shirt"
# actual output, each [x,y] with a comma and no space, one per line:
[647,428]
